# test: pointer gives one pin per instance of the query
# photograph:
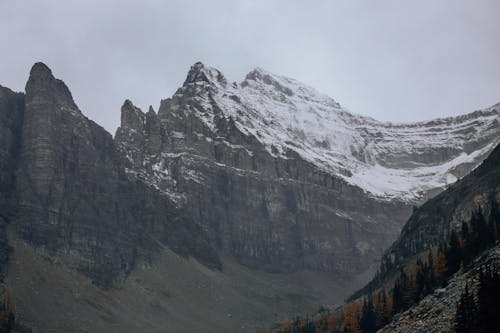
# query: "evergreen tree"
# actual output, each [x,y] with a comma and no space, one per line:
[484,233]
[430,264]
[421,280]
[465,318]
[402,293]
[453,255]
[440,267]
[489,299]
[368,322]
[495,218]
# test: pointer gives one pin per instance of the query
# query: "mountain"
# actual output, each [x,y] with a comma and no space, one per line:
[234,205]
[283,178]
[389,161]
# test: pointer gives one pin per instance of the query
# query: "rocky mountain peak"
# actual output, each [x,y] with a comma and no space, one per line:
[132,117]
[39,69]
[43,88]
[388,161]
[199,73]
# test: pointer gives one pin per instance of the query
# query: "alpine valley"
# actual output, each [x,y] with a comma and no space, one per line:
[236,206]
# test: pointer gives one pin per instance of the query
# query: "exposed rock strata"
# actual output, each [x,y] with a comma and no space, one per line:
[11,117]
[268,204]
[75,198]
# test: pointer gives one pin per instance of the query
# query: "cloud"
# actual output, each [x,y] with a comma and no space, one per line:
[392,60]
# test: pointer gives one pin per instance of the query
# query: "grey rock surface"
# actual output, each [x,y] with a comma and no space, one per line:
[271,210]
[11,117]
[269,213]
[74,196]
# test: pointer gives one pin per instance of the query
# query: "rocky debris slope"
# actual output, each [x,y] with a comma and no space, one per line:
[169,294]
[436,312]
[73,196]
[283,178]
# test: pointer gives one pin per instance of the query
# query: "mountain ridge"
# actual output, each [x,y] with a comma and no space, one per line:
[388,161]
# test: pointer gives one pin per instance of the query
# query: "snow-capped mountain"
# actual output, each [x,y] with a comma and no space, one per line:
[389,161]
[283,178]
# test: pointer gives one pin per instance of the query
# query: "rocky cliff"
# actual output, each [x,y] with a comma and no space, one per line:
[11,118]
[388,161]
[283,178]
[73,197]
[433,221]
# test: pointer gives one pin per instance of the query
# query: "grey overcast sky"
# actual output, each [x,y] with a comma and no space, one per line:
[392,60]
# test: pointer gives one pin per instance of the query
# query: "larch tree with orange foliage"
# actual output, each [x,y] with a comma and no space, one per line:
[332,321]
[439,266]
[351,318]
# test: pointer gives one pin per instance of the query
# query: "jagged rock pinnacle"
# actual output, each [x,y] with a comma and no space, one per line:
[132,116]
[43,87]
[39,69]
[128,104]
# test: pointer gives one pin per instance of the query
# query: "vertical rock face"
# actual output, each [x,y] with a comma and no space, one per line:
[140,134]
[11,117]
[74,197]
